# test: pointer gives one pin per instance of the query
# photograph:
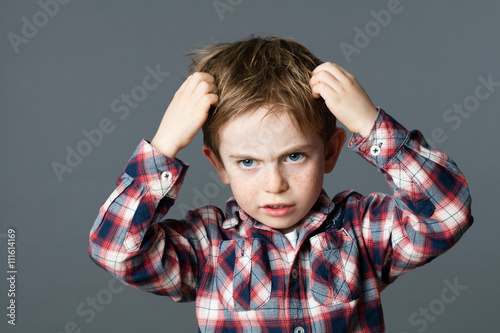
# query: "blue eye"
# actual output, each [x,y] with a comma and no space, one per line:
[294,157]
[248,163]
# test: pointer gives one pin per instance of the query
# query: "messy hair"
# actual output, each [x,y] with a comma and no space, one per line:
[257,72]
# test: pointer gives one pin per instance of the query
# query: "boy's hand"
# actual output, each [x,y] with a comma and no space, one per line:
[186,113]
[344,96]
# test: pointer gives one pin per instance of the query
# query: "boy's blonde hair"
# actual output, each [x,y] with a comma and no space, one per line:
[262,71]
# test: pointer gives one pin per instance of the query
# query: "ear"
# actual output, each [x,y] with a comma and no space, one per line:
[334,147]
[219,167]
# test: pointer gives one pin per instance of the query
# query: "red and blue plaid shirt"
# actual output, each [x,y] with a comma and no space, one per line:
[247,277]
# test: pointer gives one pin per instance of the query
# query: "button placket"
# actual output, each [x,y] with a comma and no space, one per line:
[299,329]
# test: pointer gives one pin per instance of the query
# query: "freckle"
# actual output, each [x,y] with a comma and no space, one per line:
[301,179]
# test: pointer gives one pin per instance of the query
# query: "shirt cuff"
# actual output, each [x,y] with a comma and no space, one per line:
[161,174]
[385,139]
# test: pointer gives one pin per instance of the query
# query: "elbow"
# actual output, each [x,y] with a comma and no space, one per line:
[93,250]
[108,259]
[95,257]
[464,218]
[456,215]
[459,222]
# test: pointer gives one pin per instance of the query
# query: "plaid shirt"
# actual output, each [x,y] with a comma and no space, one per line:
[247,277]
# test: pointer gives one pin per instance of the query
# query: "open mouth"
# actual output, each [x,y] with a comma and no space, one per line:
[277,206]
[278,209]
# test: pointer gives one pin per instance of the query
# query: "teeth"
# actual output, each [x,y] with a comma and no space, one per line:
[277,207]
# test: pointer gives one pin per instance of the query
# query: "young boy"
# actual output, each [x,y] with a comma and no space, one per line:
[283,256]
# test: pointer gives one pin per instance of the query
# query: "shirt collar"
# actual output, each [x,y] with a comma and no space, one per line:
[316,216]
[234,214]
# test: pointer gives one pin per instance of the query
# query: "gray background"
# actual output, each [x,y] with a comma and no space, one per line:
[65,78]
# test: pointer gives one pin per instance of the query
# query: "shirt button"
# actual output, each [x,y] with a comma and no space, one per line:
[166,175]
[295,273]
[375,150]
[299,329]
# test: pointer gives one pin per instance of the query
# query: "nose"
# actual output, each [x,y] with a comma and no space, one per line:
[275,180]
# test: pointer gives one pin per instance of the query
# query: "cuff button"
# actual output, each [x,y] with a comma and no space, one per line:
[166,175]
[375,150]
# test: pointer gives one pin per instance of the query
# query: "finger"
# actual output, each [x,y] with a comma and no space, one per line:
[328,78]
[332,68]
[323,66]
[344,71]
[312,83]
[205,77]
[194,80]
[213,99]
[324,90]
[202,106]
[203,88]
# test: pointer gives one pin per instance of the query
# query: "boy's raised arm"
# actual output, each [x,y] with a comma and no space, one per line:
[130,237]
[430,208]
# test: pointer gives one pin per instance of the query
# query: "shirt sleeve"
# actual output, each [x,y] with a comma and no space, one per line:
[429,210]
[130,237]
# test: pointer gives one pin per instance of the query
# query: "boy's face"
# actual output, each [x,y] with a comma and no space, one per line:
[275,172]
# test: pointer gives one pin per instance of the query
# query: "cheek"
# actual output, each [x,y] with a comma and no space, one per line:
[308,179]
[244,189]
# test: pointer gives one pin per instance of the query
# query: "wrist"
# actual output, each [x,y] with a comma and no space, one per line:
[166,149]
[367,126]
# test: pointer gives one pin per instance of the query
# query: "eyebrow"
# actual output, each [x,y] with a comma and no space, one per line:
[288,150]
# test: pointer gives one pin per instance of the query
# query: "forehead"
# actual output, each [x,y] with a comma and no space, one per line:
[258,129]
